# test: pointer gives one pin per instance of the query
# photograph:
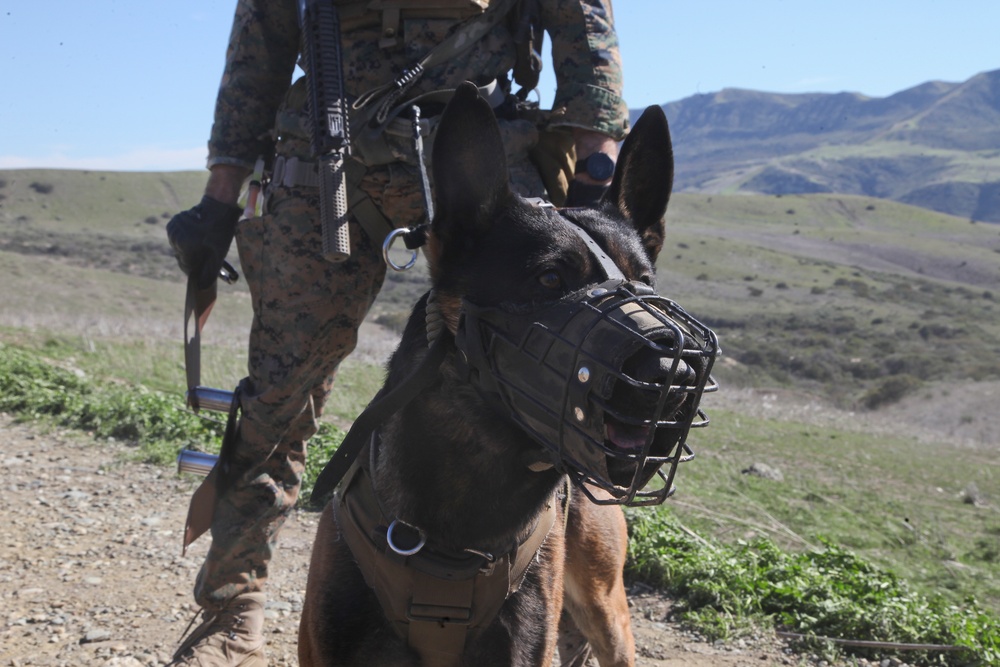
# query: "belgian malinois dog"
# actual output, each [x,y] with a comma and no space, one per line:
[453,541]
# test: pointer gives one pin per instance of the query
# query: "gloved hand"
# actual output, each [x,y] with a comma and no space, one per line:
[201,238]
[584,194]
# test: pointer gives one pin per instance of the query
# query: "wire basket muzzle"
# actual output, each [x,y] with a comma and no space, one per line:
[608,381]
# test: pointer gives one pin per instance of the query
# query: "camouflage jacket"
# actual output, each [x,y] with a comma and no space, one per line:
[257,99]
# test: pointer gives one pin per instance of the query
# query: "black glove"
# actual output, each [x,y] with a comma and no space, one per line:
[201,238]
[584,194]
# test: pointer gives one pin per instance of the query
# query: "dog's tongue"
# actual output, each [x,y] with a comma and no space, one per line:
[627,438]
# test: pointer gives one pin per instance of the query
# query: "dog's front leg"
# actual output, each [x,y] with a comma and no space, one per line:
[594,598]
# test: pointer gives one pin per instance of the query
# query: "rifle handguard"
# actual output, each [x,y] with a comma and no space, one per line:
[327,106]
[333,207]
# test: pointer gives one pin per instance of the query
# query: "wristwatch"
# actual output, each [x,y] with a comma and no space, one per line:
[599,166]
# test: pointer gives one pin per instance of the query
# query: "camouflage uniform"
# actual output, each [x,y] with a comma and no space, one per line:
[307,310]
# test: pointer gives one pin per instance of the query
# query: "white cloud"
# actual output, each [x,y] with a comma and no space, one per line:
[141,159]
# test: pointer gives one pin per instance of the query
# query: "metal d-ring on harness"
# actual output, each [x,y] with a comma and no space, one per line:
[433,595]
[413,237]
[405,551]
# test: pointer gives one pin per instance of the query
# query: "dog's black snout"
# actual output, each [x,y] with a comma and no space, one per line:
[644,390]
[651,366]
[656,369]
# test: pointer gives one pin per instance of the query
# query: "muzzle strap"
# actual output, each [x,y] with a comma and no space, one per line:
[611,270]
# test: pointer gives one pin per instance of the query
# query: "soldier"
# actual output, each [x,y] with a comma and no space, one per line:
[307,310]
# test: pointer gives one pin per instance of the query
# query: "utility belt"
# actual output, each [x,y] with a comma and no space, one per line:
[293,172]
[392,140]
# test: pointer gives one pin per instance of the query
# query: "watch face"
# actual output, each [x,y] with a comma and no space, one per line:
[600,166]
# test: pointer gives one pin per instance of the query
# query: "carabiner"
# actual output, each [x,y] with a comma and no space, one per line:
[387,245]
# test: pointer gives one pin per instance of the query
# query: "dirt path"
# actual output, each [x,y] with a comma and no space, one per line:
[91,571]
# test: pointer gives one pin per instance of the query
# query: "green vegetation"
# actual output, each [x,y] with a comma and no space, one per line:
[824,592]
[156,424]
[33,389]
[856,299]
[885,311]
[898,503]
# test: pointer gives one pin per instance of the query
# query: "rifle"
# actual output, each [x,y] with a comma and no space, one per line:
[327,108]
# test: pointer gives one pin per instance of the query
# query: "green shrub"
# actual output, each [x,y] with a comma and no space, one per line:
[159,426]
[890,390]
[828,592]
[34,389]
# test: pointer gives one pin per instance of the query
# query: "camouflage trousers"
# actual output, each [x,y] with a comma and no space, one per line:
[306,316]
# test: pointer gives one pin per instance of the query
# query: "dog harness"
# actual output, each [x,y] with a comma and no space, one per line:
[432,595]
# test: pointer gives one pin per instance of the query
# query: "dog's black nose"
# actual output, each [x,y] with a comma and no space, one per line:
[655,369]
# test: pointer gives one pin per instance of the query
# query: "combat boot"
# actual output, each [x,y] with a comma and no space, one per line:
[230,637]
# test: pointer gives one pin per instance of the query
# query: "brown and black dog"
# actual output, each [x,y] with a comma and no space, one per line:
[452,475]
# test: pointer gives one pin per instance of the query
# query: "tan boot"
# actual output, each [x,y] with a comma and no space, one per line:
[231,637]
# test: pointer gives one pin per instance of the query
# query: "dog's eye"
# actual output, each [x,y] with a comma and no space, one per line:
[550,280]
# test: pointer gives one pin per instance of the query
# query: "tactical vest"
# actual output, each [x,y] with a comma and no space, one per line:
[523,20]
[390,14]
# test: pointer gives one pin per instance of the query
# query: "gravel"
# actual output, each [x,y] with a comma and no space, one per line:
[91,569]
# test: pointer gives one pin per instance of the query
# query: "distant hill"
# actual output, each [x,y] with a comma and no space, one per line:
[936,145]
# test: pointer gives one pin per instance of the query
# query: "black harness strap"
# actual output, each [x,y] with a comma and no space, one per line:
[366,423]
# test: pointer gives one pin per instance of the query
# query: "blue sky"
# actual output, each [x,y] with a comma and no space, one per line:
[130,84]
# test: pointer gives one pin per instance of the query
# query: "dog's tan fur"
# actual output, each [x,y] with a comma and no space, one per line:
[597,543]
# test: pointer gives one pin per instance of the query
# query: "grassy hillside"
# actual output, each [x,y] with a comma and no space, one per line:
[838,295]
[121,203]
[112,220]
[861,342]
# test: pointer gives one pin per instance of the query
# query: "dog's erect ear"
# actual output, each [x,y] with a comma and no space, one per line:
[644,177]
[470,167]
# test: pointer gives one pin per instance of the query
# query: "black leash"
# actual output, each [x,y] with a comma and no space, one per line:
[198,305]
[366,423]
